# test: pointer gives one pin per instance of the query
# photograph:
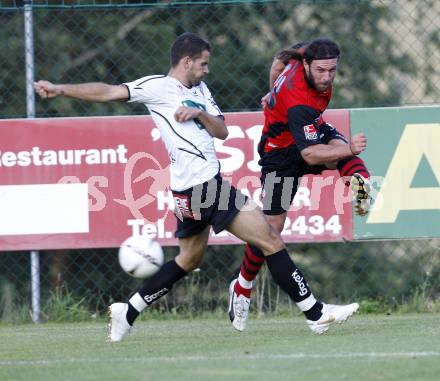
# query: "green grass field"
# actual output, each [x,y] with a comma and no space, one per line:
[368,347]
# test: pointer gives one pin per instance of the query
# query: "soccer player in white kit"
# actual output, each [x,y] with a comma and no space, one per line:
[189,119]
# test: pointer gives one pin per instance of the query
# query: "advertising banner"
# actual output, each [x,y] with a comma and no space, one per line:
[404,157]
[92,182]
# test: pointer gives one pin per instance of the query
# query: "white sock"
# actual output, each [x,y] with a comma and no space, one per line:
[243,282]
[306,304]
[137,302]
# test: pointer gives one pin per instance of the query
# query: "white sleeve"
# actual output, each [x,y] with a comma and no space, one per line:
[146,90]
[211,106]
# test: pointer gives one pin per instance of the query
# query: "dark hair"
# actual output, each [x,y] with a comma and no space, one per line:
[319,49]
[187,44]
[294,52]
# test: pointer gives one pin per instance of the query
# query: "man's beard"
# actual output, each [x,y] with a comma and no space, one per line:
[196,81]
[312,83]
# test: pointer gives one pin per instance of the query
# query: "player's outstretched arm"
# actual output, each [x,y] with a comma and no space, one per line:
[325,153]
[93,91]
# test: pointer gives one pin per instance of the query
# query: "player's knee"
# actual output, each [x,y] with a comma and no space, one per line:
[276,241]
[271,242]
[277,222]
[189,261]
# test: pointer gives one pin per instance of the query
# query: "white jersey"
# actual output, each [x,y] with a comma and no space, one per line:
[190,146]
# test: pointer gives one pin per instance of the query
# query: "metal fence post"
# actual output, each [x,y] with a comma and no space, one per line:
[29,58]
[30,111]
[35,285]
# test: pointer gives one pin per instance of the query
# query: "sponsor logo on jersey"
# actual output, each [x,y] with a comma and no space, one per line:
[310,132]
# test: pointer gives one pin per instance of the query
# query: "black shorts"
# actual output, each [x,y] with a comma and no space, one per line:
[215,202]
[280,182]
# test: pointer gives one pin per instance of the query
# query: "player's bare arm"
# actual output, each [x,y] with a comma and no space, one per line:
[213,124]
[323,153]
[93,91]
[275,70]
[281,60]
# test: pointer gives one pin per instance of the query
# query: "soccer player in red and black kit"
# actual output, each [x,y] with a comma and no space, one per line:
[296,141]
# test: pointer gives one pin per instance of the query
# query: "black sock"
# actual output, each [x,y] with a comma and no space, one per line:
[315,312]
[157,286]
[132,314]
[291,280]
[288,276]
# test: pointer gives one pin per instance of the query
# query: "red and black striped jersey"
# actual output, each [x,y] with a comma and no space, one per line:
[292,114]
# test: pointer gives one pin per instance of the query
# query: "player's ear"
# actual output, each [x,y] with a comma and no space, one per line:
[187,62]
[306,66]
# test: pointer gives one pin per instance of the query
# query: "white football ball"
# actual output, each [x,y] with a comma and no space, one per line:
[140,256]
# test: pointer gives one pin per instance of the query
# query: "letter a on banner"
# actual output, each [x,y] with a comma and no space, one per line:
[418,142]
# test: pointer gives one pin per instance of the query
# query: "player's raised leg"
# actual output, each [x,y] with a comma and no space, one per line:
[354,170]
[123,315]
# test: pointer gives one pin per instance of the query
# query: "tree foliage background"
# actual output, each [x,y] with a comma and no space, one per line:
[390,49]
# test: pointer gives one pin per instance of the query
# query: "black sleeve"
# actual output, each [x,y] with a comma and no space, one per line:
[327,133]
[302,125]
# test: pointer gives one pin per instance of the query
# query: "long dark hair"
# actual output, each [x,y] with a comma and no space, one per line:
[318,49]
[321,49]
[294,52]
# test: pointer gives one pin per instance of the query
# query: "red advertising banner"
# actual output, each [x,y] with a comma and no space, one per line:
[93,182]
